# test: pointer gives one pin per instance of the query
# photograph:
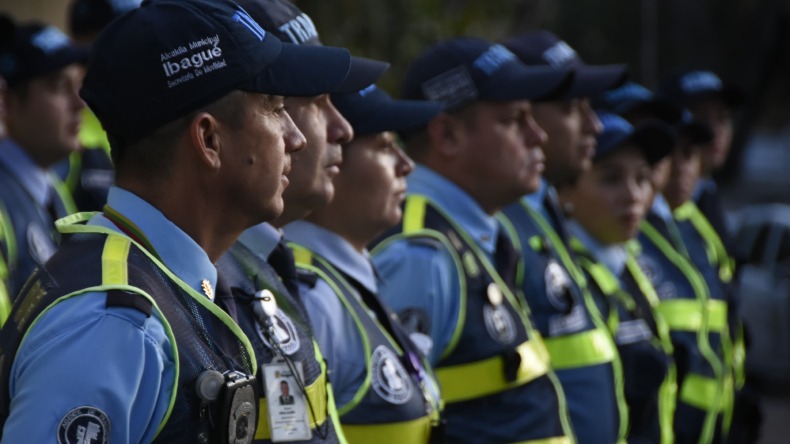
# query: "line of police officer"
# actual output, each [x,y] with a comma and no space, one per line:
[481,313]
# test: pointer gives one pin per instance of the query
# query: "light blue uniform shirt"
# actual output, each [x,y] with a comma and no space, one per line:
[34,179]
[612,256]
[535,200]
[82,353]
[661,208]
[261,239]
[424,278]
[334,328]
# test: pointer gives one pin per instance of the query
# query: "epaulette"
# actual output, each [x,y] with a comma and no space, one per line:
[426,241]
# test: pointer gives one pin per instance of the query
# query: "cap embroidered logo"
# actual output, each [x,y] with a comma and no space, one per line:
[700,81]
[50,40]
[245,19]
[559,55]
[451,88]
[300,29]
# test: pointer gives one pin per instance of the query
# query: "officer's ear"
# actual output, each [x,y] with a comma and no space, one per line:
[446,134]
[205,138]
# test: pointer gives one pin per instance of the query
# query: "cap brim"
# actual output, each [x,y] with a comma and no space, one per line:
[62,58]
[655,109]
[361,74]
[521,82]
[655,138]
[590,81]
[389,115]
[307,70]
[731,96]
[696,132]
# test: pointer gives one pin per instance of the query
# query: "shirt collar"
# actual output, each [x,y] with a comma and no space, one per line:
[460,206]
[612,256]
[261,239]
[704,185]
[32,177]
[535,200]
[661,208]
[179,252]
[334,249]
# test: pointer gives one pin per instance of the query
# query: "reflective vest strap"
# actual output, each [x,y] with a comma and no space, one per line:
[717,316]
[301,254]
[414,213]
[554,440]
[602,276]
[5,302]
[682,314]
[583,349]
[701,392]
[690,211]
[488,376]
[8,237]
[63,194]
[316,396]
[667,403]
[114,266]
[414,431]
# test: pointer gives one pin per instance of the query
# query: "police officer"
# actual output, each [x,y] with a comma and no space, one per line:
[276,322]
[42,119]
[707,253]
[609,202]
[448,268]
[122,337]
[88,172]
[385,391]
[713,103]
[582,351]
[684,296]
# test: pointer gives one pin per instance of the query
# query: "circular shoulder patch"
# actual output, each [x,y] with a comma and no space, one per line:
[389,379]
[284,330]
[84,425]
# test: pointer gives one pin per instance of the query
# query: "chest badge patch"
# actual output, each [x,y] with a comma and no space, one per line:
[558,286]
[284,331]
[499,323]
[388,377]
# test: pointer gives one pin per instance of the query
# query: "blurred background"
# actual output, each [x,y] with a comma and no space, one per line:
[747,42]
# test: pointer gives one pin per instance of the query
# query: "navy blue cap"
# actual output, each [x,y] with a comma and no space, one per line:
[372,111]
[91,16]
[692,129]
[283,19]
[541,47]
[169,57]
[464,69]
[687,87]
[634,98]
[653,137]
[30,50]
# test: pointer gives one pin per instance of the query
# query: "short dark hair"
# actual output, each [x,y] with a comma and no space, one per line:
[416,143]
[154,153]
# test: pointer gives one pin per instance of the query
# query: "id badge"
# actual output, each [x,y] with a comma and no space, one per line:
[289,419]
